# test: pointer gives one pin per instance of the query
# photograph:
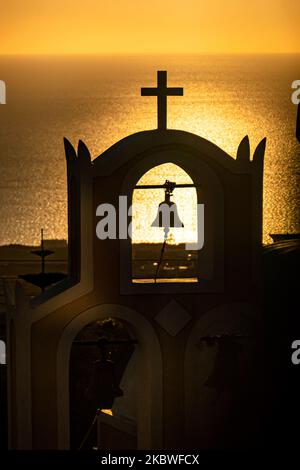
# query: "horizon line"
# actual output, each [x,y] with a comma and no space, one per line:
[63,54]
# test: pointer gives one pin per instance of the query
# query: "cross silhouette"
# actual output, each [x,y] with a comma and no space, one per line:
[162,92]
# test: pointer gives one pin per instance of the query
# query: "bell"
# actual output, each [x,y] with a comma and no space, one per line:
[167,215]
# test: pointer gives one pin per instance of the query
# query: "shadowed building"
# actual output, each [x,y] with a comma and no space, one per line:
[178,390]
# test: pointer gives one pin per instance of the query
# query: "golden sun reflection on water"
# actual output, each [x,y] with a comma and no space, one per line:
[225,98]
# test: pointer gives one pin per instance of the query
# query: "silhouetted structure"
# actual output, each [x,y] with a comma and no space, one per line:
[162,92]
[165,403]
[281,261]
[43,279]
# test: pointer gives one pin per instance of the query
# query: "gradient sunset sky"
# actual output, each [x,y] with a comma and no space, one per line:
[143,26]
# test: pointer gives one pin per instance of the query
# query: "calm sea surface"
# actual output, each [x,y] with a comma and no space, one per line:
[97,99]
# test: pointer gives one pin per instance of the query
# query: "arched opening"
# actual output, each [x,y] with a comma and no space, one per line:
[146,365]
[224,379]
[159,251]
[99,357]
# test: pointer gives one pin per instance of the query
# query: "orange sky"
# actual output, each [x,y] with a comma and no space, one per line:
[154,26]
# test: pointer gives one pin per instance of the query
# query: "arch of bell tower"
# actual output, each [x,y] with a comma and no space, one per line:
[148,374]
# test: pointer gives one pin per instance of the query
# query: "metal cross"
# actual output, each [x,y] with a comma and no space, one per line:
[162,92]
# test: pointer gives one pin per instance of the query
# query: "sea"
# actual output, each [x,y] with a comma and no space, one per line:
[98,99]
